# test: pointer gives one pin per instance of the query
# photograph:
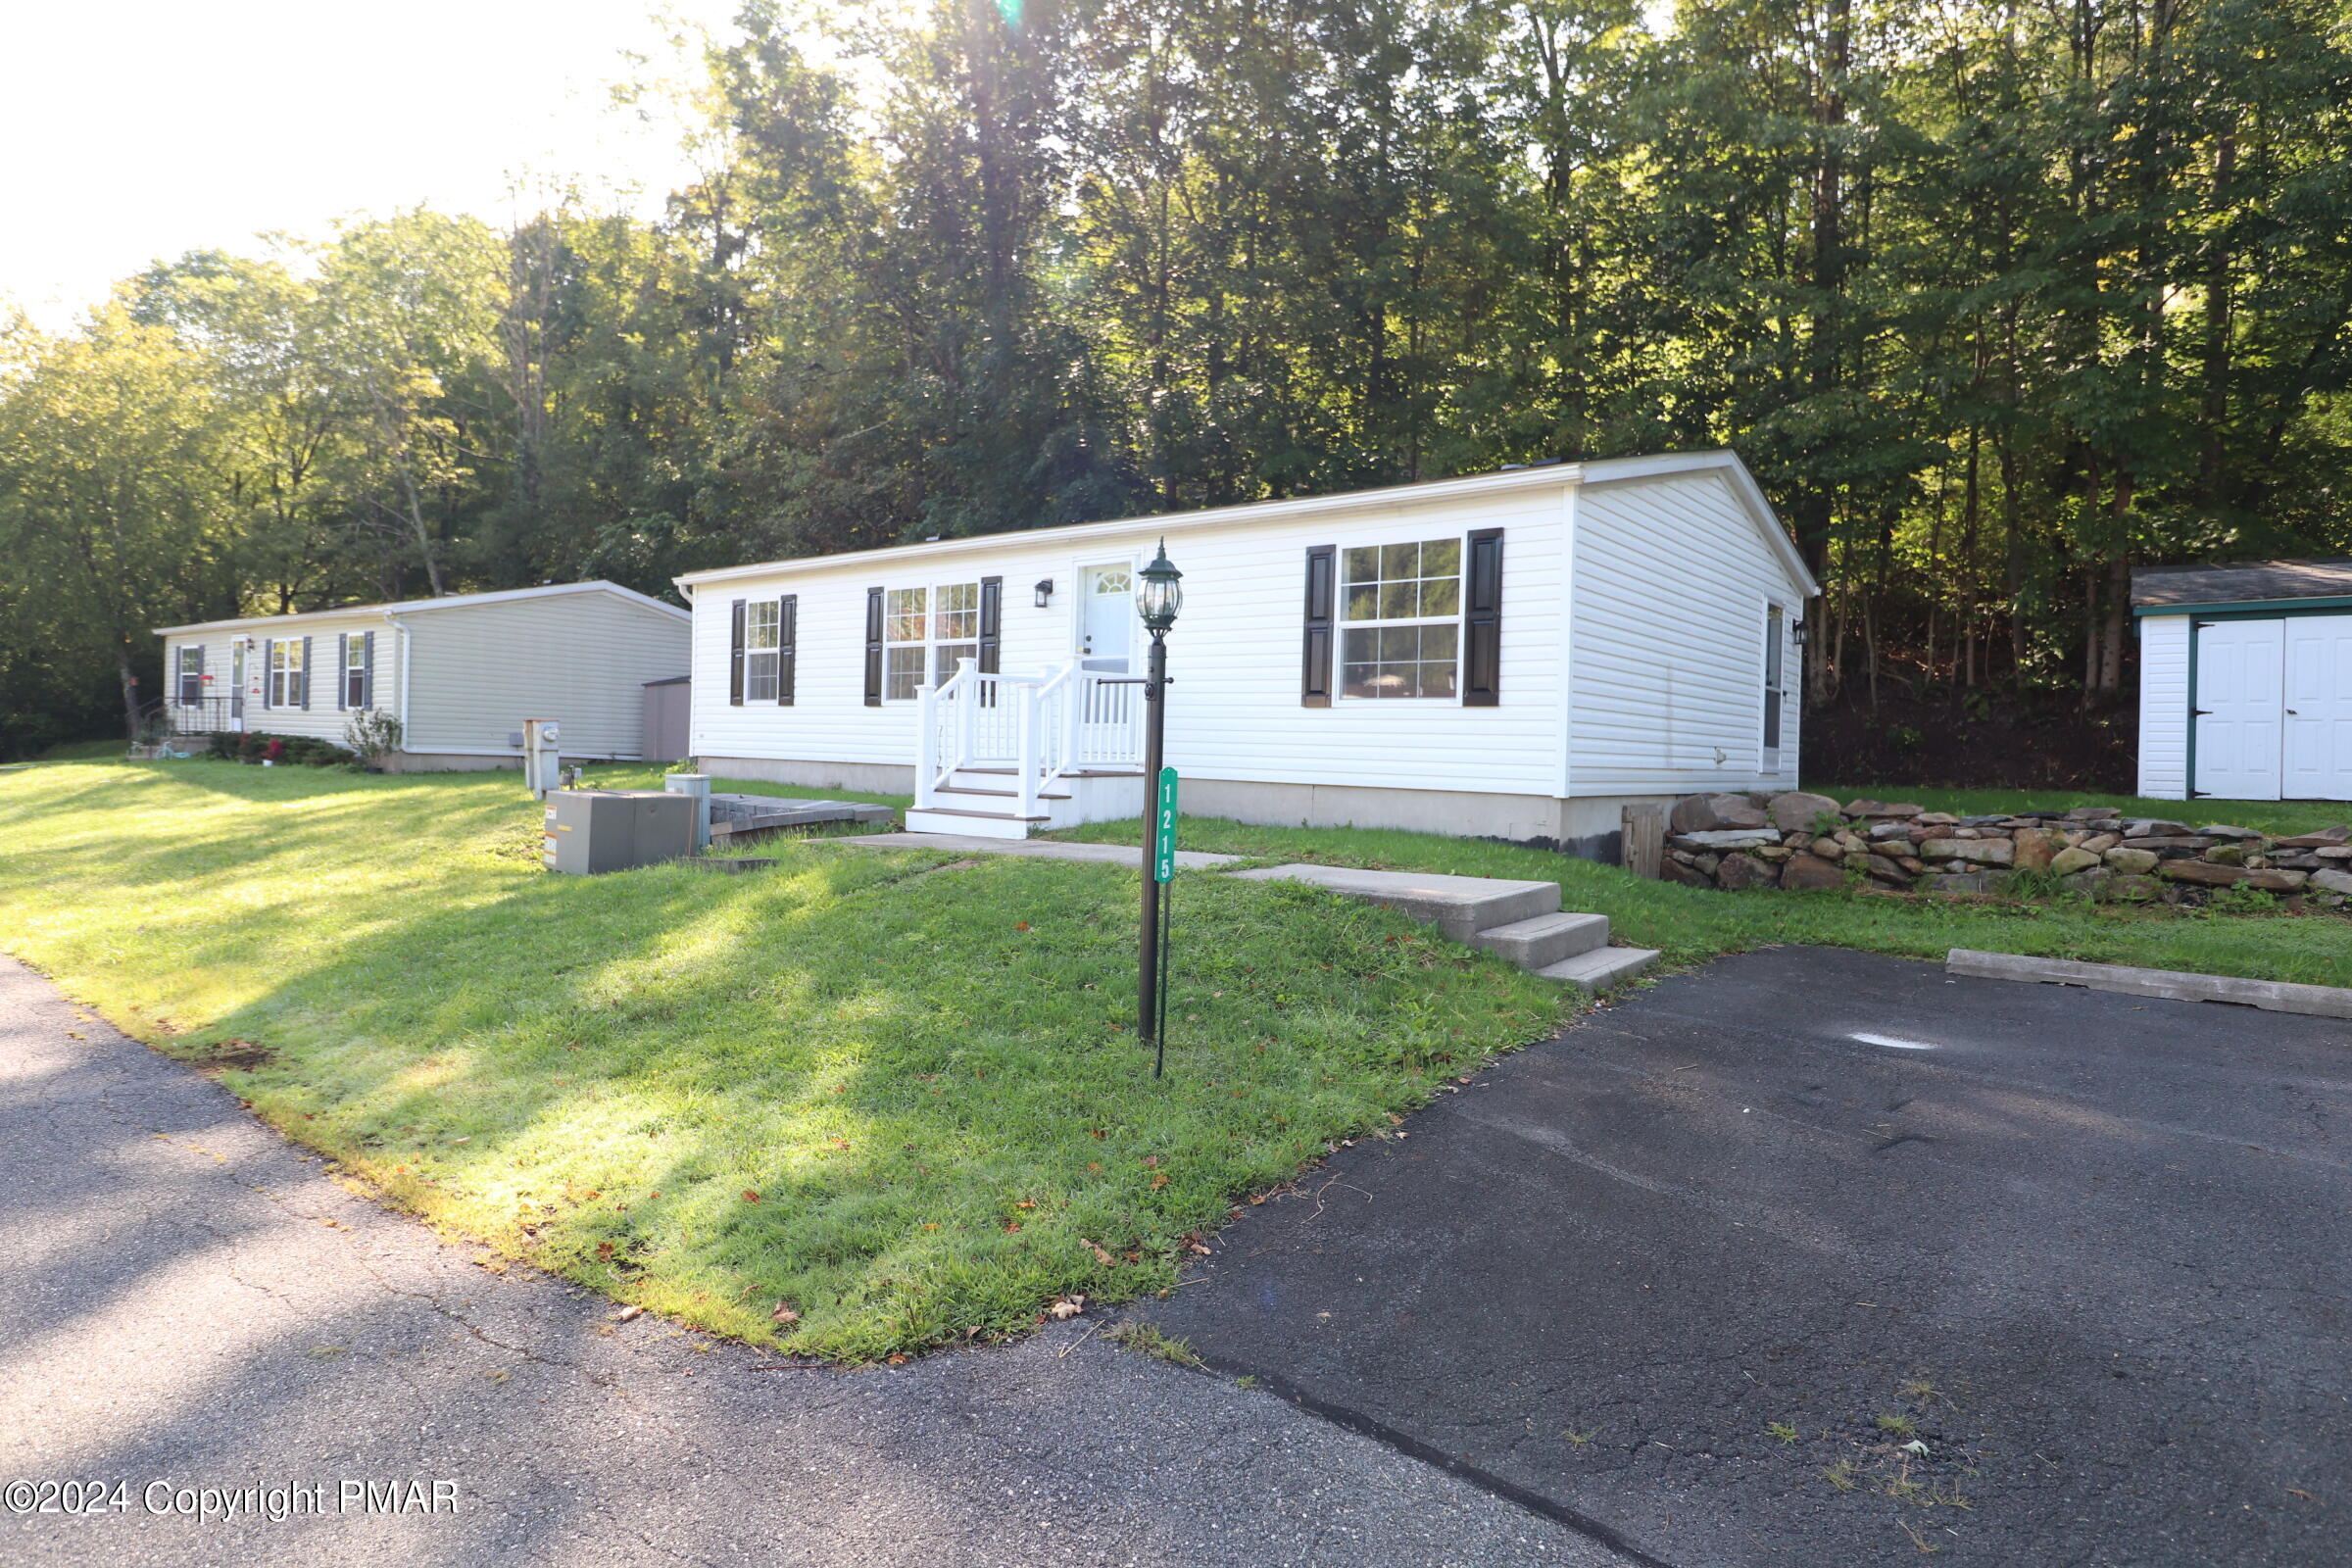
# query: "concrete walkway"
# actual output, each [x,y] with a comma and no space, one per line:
[1036,849]
[188,1299]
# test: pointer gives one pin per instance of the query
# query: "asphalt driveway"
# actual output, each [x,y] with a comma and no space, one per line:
[186,1303]
[1824,1259]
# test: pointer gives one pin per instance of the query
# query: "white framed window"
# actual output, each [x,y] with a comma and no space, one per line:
[1776,638]
[285,671]
[763,648]
[355,669]
[927,630]
[1400,620]
[191,672]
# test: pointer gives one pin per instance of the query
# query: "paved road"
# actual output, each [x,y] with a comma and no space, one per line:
[183,1298]
[2112,1234]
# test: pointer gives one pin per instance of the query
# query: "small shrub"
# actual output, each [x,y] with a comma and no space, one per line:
[257,746]
[372,735]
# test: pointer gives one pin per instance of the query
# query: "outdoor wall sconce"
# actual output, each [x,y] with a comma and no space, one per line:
[1045,592]
[1800,633]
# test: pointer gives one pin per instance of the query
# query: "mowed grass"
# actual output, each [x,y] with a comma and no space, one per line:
[1689,924]
[897,1096]
[2284,818]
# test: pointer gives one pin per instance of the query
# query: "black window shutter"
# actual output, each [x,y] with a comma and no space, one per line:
[342,670]
[1481,620]
[991,623]
[788,623]
[1314,679]
[305,673]
[735,660]
[367,669]
[873,647]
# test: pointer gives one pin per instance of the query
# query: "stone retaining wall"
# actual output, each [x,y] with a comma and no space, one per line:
[1800,840]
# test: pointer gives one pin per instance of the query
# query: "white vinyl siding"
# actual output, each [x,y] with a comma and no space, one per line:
[1672,585]
[323,718]
[479,670]
[2164,707]
[1234,712]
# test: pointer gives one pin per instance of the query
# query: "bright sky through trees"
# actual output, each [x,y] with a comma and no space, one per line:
[146,127]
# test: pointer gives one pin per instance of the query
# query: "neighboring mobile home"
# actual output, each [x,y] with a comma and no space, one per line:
[2245,681]
[1519,654]
[461,673]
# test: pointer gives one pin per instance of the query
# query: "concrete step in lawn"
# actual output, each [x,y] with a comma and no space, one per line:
[1521,921]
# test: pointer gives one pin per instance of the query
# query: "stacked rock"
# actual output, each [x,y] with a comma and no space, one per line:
[1800,840]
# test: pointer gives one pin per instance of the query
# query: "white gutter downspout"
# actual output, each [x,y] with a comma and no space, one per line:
[402,627]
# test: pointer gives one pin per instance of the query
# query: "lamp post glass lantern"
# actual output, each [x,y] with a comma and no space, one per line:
[1161,593]
[1158,596]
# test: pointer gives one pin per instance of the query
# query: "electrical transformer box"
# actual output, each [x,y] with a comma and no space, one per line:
[611,830]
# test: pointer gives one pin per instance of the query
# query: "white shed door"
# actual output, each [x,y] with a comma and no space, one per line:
[2240,708]
[2319,709]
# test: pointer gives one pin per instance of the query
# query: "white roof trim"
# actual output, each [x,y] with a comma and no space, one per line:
[1551,475]
[450,602]
[1555,476]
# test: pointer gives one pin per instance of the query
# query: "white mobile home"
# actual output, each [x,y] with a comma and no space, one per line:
[461,673]
[1517,655]
[2245,681]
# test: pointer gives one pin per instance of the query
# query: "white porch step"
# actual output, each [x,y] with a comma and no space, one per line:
[1602,968]
[981,796]
[972,825]
[1545,939]
[1136,771]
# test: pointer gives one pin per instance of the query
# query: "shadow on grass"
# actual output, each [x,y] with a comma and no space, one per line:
[901,1100]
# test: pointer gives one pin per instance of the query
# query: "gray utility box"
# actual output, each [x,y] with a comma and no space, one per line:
[611,830]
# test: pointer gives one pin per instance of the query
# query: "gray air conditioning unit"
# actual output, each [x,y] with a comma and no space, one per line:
[612,831]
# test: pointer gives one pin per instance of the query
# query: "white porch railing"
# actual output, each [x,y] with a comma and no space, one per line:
[1038,728]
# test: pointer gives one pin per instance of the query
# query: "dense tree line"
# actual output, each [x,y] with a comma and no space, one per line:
[1997,299]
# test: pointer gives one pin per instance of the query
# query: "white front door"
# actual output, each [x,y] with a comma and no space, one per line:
[237,681]
[1106,621]
[2319,709]
[2239,706]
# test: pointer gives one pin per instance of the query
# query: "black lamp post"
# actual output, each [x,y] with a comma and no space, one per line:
[1157,599]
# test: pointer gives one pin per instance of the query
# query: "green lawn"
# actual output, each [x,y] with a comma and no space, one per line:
[1689,924]
[902,1097]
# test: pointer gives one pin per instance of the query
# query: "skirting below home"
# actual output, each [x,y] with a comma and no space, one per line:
[1586,827]
[450,761]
